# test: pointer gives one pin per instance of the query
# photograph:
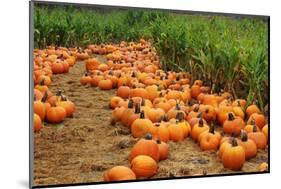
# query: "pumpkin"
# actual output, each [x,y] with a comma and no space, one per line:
[196,119]
[123,92]
[115,101]
[162,132]
[225,143]
[96,80]
[222,113]
[85,79]
[175,132]
[198,128]
[163,150]
[258,137]
[92,64]
[144,166]
[208,112]
[172,113]
[37,123]
[146,146]
[259,119]
[250,127]
[184,125]
[117,114]
[154,114]
[194,112]
[209,140]
[239,102]
[139,92]
[238,111]
[263,167]
[152,91]
[248,145]
[105,84]
[233,156]
[119,173]
[44,79]
[195,91]
[40,107]
[141,126]
[233,125]
[132,117]
[252,109]
[265,131]
[126,114]
[67,105]
[37,94]
[55,114]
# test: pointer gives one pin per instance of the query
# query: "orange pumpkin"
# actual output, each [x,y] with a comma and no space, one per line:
[162,132]
[209,140]
[105,84]
[144,166]
[163,150]
[146,146]
[233,125]
[233,156]
[259,119]
[198,128]
[175,132]
[258,137]
[37,123]
[141,126]
[68,105]
[55,114]
[119,173]
[248,145]
[252,109]
[123,92]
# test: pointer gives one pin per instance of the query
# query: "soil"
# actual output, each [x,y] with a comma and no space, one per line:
[82,148]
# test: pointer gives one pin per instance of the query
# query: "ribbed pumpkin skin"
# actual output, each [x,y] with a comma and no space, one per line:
[119,173]
[144,166]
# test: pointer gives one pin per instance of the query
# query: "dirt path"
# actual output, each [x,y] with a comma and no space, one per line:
[81,148]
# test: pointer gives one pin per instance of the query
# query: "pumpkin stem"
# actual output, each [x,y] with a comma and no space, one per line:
[142,115]
[142,102]
[200,123]
[44,98]
[207,110]
[230,116]
[42,82]
[130,103]
[199,115]
[244,136]
[158,141]
[196,109]
[255,129]
[253,122]
[177,106]
[137,108]
[133,74]
[179,116]
[148,136]
[212,128]
[234,142]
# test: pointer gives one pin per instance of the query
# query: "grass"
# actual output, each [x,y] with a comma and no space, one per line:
[227,53]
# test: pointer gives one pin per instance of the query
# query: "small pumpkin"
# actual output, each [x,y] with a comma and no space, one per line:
[119,173]
[37,123]
[175,132]
[162,132]
[55,114]
[144,166]
[163,150]
[105,84]
[141,126]
[233,156]
[115,101]
[265,131]
[258,137]
[209,140]
[259,119]
[146,146]
[248,145]
[123,92]
[126,114]
[85,79]
[68,105]
[252,109]
[263,167]
[183,124]
[233,125]
[198,128]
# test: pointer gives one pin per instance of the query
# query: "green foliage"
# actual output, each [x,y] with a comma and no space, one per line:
[227,53]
